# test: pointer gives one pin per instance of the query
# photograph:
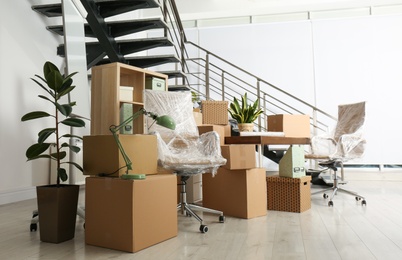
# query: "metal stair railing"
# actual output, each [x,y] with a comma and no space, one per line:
[215,78]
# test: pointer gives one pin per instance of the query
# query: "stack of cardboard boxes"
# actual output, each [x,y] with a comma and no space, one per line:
[290,190]
[239,188]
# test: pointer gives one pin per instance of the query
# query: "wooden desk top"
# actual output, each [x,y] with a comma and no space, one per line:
[266,140]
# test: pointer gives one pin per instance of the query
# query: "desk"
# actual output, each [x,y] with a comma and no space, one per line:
[265,140]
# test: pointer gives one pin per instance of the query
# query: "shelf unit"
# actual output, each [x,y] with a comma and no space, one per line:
[107,97]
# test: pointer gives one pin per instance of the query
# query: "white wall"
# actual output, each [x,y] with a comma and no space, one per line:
[327,63]
[25,45]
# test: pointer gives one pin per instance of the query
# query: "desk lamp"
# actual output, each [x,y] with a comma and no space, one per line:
[165,121]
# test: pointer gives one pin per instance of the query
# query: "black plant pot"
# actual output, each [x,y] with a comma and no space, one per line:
[57,209]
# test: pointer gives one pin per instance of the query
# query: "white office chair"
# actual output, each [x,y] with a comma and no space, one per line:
[183,151]
[346,143]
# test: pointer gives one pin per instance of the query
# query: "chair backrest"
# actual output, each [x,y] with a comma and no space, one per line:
[179,106]
[351,119]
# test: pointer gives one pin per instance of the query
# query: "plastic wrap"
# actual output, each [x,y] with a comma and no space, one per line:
[347,141]
[182,150]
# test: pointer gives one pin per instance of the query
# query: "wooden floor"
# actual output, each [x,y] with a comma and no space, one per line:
[346,231]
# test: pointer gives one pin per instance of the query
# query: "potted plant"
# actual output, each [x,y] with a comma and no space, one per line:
[245,114]
[57,204]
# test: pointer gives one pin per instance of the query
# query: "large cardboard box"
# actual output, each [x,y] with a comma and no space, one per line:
[130,215]
[238,193]
[239,156]
[215,112]
[289,194]
[101,154]
[218,128]
[291,125]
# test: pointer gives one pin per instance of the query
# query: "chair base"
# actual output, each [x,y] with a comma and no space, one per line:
[188,209]
[335,188]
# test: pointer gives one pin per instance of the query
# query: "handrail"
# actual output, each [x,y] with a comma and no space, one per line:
[207,73]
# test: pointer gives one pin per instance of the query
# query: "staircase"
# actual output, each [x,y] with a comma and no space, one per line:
[105,48]
[208,75]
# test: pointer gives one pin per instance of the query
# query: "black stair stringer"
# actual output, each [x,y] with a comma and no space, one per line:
[99,28]
[273,155]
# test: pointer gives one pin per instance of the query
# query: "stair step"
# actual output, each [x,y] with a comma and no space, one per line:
[119,28]
[173,74]
[178,88]
[147,61]
[107,8]
[125,46]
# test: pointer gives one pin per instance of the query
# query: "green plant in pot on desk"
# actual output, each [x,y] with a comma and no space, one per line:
[57,204]
[245,114]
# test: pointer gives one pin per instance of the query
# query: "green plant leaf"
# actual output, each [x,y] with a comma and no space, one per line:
[40,84]
[73,148]
[67,109]
[71,136]
[47,156]
[45,133]
[54,80]
[61,109]
[34,115]
[49,67]
[76,165]
[60,156]
[62,173]
[74,122]
[65,91]
[36,149]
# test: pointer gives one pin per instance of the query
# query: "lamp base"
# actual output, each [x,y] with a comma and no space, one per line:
[133,176]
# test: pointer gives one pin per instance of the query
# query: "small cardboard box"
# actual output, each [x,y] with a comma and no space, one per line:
[218,128]
[238,193]
[290,125]
[101,154]
[239,156]
[292,164]
[215,112]
[197,117]
[289,194]
[228,130]
[130,215]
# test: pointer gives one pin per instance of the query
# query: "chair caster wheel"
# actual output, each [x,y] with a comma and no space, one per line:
[188,214]
[203,229]
[222,219]
[33,227]
[325,196]
[330,203]
[364,202]
[358,198]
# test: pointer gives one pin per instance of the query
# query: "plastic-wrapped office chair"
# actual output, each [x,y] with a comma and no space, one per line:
[346,143]
[183,151]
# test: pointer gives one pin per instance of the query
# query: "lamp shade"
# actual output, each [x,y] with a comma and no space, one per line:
[166,121]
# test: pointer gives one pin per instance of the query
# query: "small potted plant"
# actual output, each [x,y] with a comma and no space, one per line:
[245,114]
[57,204]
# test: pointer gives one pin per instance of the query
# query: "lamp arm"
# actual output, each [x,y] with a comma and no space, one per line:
[115,129]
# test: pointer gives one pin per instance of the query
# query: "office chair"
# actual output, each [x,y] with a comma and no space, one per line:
[183,150]
[346,143]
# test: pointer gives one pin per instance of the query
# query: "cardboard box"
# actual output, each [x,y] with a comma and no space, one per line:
[238,193]
[289,194]
[215,112]
[101,154]
[228,130]
[218,128]
[292,164]
[197,118]
[291,125]
[130,215]
[239,156]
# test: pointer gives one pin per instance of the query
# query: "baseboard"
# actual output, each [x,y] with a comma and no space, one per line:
[11,196]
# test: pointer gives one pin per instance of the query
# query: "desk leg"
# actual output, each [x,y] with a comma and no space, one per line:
[259,159]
